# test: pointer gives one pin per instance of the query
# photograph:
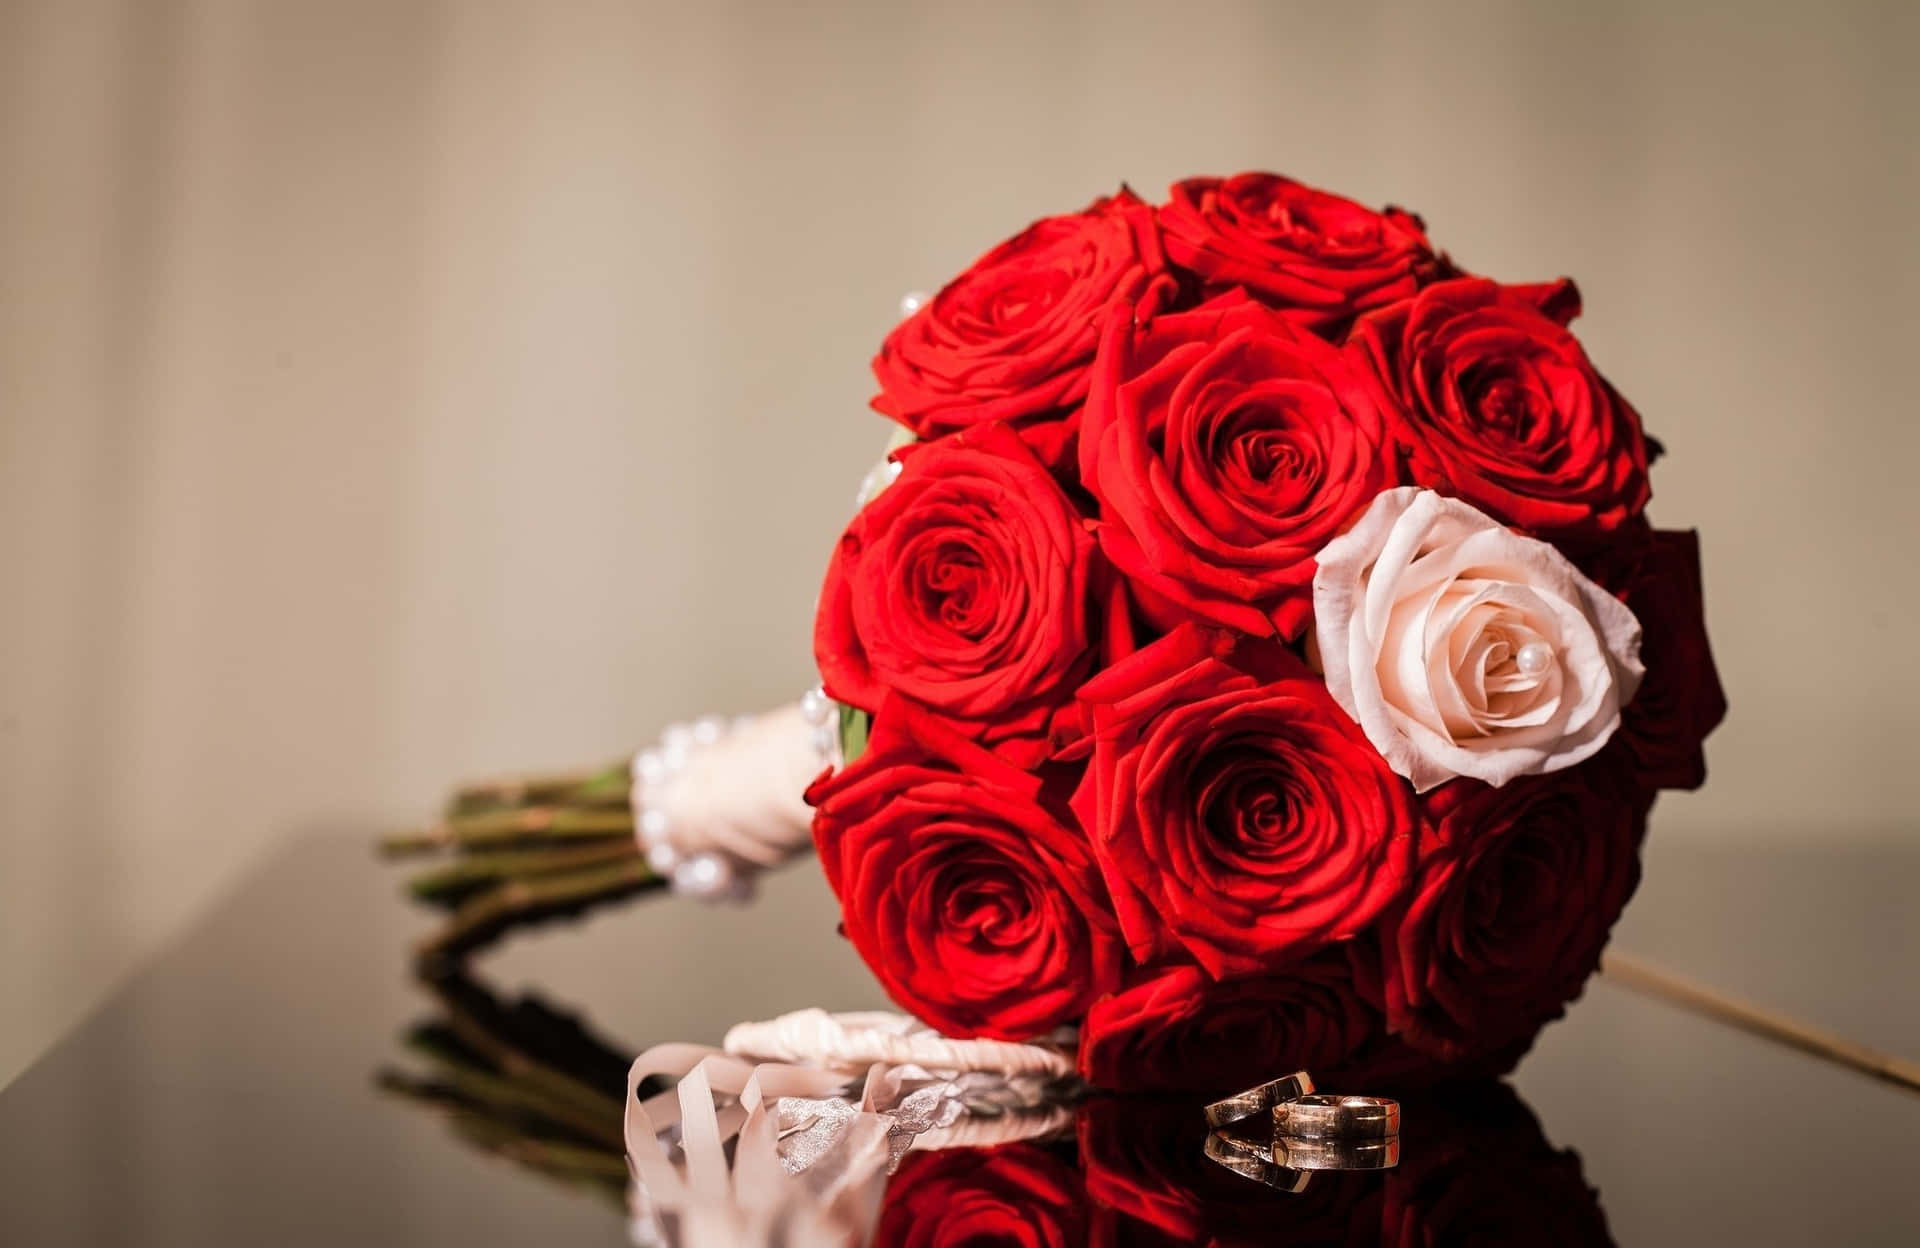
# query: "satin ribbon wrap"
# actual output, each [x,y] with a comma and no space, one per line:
[813,1143]
[741,794]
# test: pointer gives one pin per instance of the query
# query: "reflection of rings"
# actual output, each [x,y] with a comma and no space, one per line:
[1342,1117]
[1299,1154]
[1255,1164]
[1259,1100]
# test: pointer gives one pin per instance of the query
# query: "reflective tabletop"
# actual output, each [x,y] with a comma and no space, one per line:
[280,1075]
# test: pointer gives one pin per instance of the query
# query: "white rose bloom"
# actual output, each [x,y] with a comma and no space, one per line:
[1465,649]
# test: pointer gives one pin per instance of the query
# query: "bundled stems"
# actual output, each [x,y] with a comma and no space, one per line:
[522,849]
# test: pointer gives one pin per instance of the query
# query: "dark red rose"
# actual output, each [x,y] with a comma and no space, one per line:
[1225,449]
[1476,1169]
[1011,338]
[1517,890]
[1180,1030]
[964,586]
[1499,406]
[975,906]
[1317,257]
[1657,574]
[1151,1183]
[1396,1068]
[1240,818]
[1015,1194]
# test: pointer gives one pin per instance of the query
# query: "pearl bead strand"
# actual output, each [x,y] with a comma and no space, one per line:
[700,822]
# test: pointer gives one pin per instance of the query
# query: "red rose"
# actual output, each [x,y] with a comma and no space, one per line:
[1012,337]
[977,909]
[1657,574]
[1237,813]
[1225,449]
[963,585]
[1518,888]
[1317,257]
[1180,1030]
[1016,1194]
[1499,406]
[1395,1067]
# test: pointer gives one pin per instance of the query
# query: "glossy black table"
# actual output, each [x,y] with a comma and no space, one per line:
[272,1078]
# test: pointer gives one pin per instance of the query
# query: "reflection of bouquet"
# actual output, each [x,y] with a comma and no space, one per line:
[1261,658]
[1475,1169]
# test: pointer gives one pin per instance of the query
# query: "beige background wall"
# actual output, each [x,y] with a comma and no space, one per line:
[392,391]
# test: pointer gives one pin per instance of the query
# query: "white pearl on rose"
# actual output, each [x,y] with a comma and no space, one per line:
[650,769]
[708,729]
[703,875]
[662,859]
[1534,658]
[653,826]
[912,302]
[814,705]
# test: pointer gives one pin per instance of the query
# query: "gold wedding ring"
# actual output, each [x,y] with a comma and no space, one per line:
[1317,1117]
[1261,1099]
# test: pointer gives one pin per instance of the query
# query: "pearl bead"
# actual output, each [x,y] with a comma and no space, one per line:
[708,729]
[704,875]
[1534,658]
[813,706]
[662,859]
[677,738]
[878,478]
[912,302]
[650,769]
[653,826]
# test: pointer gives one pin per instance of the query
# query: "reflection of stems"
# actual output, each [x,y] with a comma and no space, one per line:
[511,1092]
[605,1172]
[1630,972]
[477,1034]
[519,899]
[522,1081]
[559,1159]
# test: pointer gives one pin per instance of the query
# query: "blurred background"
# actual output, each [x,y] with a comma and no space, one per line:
[397,391]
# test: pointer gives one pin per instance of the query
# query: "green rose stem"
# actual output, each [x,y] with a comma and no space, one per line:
[467,874]
[522,898]
[515,850]
[605,786]
[498,827]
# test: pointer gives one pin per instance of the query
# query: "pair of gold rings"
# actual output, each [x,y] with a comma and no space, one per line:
[1300,1112]
[1311,1131]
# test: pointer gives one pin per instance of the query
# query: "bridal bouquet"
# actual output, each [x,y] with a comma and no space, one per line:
[1263,657]
[1254,655]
